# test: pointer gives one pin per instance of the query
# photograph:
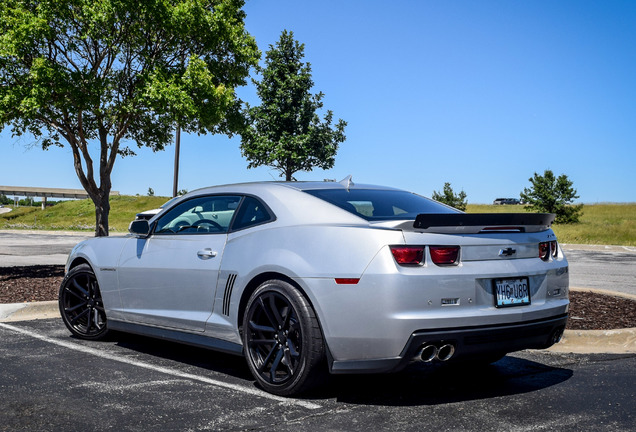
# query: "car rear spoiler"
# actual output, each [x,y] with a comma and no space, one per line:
[483,222]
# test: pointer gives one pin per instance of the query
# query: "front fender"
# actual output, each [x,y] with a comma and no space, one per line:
[102,254]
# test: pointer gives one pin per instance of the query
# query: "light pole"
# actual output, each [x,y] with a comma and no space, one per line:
[177,145]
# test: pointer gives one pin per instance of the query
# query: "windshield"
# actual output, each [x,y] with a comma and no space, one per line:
[378,205]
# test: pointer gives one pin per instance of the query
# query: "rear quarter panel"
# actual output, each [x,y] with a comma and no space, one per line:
[301,253]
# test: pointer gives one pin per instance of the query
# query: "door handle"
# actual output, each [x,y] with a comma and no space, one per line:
[206,253]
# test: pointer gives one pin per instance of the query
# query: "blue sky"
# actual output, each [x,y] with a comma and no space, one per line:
[479,94]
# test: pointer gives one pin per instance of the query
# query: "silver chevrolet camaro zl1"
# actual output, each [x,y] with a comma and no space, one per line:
[307,277]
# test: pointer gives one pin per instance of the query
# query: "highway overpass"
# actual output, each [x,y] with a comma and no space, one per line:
[45,193]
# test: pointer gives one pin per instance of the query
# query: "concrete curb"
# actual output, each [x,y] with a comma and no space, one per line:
[29,311]
[620,341]
[598,248]
[605,292]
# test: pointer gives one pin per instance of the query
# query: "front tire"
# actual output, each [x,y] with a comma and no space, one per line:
[282,339]
[81,304]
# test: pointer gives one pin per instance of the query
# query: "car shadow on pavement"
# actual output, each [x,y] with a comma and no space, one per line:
[419,384]
[433,384]
[215,361]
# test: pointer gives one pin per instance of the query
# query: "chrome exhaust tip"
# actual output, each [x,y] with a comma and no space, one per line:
[445,352]
[557,336]
[428,353]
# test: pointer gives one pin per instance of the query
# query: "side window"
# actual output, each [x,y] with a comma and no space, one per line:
[252,212]
[201,215]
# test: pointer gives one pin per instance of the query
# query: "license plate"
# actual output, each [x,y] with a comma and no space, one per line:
[511,292]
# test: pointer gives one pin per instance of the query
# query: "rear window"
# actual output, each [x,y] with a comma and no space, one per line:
[377,205]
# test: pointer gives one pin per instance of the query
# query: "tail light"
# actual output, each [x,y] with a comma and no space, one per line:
[408,255]
[554,249]
[548,249]
[444,255]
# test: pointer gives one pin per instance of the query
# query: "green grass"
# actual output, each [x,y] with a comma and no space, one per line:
[607,224]
[79,215]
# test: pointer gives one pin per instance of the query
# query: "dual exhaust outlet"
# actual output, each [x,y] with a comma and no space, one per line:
[440,352]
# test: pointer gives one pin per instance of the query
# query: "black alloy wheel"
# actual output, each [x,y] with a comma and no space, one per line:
[282,339]
[81,304]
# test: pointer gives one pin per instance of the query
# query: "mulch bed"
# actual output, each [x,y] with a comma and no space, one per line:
[588,311]
[30,283]
[592,311]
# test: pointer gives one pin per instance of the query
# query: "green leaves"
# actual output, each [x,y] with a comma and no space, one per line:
[449,197]
[122,64]
[285,132]
[120,71]
[552,194]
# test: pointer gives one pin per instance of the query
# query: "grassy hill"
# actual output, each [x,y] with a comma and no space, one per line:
[607,224]
[610,224]
[79,215]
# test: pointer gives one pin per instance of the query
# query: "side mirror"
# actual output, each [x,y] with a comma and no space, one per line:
[140,228]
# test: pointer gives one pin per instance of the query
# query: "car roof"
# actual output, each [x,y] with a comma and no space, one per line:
[296,202]
[296,185]
[288,199]
[332,185]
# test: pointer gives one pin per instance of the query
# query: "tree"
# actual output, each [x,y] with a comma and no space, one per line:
[550,194]
[98,74]
[449,197]
[4,200]
[285,132]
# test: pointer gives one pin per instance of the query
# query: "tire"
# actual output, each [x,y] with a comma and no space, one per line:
[282,340]
[81,305]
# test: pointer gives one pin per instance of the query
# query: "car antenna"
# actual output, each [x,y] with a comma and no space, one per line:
[347,182]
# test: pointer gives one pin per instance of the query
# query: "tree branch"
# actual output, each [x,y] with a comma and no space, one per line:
[83,146]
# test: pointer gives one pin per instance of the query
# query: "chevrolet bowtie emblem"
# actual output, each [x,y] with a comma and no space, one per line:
[507,252]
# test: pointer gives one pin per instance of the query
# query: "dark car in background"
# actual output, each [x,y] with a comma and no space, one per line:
[506,201]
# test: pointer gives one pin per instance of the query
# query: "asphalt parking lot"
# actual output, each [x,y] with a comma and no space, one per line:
[51,381]
[37,247]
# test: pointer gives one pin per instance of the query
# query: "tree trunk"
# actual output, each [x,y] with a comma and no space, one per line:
[102,209]
[289,174]
[99,195]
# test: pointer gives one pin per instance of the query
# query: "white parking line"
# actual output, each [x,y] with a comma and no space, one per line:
[98,353]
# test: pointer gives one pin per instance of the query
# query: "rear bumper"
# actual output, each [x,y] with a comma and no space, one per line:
[469,341]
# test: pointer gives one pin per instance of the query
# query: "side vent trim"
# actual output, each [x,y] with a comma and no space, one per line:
[227,296]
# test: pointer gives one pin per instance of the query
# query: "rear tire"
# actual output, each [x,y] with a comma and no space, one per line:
[81,305]
[282,339]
